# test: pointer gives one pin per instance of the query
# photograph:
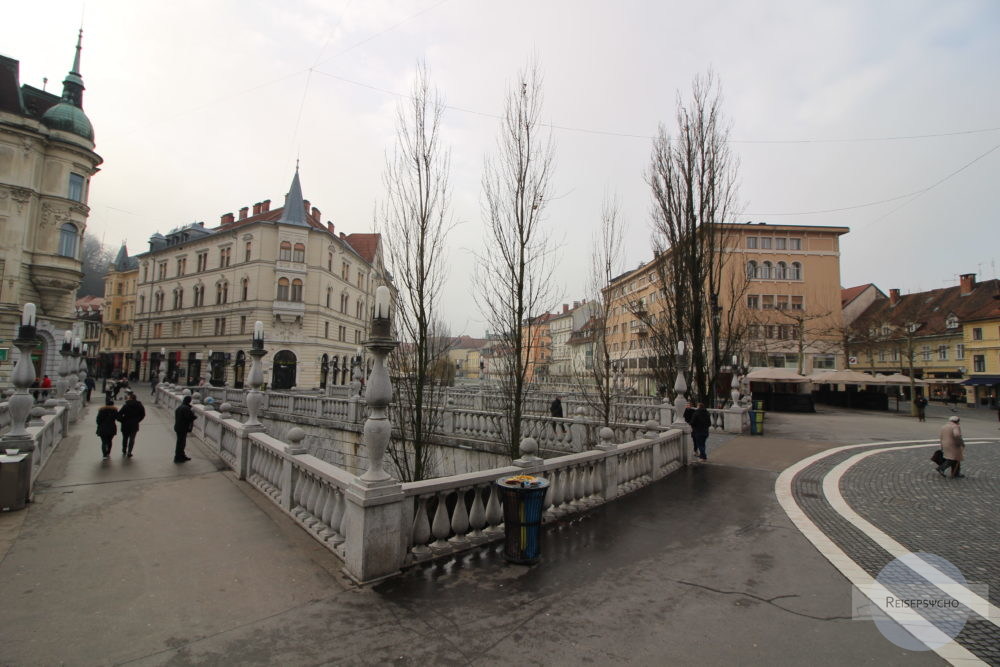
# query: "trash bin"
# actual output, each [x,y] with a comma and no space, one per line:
[756,422]
[15,479]
[523,498]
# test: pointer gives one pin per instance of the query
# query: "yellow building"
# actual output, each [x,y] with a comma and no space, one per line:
[465,355]
[116,355]
[981,337]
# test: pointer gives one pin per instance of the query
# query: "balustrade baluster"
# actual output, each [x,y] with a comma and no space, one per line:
[312,500]
[421,531]
[589,498]
[568,488]
[337,517]
[494,516]
[552,495]
[477,515]
[579,487]
[324,510]
[298,486]
[441,526]
[460,520]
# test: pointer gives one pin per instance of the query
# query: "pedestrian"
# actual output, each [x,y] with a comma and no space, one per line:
[183,424]
[701,423]
[153,381]
[35,388]
[130,415]
[88,388]
[107,426]
[952,447]
[921,404]
[555,409]
[46,384]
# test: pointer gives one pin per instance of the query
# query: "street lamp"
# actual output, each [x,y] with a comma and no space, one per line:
[716,326]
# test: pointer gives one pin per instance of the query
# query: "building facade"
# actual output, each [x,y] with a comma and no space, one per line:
[562,366]
[47,160]
[117,355]
[200,290]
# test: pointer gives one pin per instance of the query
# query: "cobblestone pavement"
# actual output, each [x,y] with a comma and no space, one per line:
[899,492]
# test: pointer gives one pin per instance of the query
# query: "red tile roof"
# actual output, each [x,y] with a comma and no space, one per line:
[849,294]
[931,309]
[365,244]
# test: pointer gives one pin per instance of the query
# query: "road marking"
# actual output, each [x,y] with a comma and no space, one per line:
[953,652]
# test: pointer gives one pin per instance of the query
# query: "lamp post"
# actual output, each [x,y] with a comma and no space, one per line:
[680,385]
[254,398]
[716,326]
[20,403]
[62,384]
[377,428]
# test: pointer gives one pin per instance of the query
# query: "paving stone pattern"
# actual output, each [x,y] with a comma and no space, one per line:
[901,494]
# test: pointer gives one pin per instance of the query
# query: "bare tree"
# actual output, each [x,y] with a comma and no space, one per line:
[692,176]
[96,259]
[513,282]
[415,219]
[597,382]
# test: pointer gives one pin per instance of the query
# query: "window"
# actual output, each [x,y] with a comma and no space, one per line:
[765,271]
[345,271]
[221,293]
[361,280]
[142,303]
[243,324]
[925,352]
[359,310]
[824,361]
[202,261]
[220,326]
[145,273]
[67,240]
[343,303]
[158,330]
[175,329]
[285,251]
[247,249]
[795,273]
[779,244]
[942,353]
[768,301]
[781,302]
[797,303]
[769,330]
[76,187]
[244,289]
[895,354]
[952,321]
[199,295]
[341,333]
[299,253]
[181,266]
[357,336]
[751,269]
[196,327]
[158,302]
[119,287]
[979,363]
[753,331]
[329,292]
[326,329]
[178,298]
[751,241]
[329,262]
[224,255]
[141,330]
[765,243]
[977,333]
[960,351]
[282,289]
[296,290]
[881,355]
[780,271]
[118,313]
[795,244]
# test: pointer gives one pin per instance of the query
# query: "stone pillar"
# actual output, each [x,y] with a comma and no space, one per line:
[528,459]
[448,417]
[578,429]
[609,471]
[20,403]
[733,419]
[294,447]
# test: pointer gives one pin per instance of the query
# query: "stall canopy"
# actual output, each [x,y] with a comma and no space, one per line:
[899,378]
[775,375]
[983,380]
[846,377]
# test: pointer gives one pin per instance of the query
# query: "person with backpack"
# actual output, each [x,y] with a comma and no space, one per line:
[130,415]
[701,424]
[921,403]
[107,425]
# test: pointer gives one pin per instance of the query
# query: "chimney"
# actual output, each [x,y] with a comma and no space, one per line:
[329,227]
[256,208]
[968,282]
[576,304]
[243,213]
[265,206]
[305,202]
[565,308]
[316,214]
[227,218]
[894,296]
[342,235]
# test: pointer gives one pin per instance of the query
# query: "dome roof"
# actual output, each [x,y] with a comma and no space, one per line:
[68,118]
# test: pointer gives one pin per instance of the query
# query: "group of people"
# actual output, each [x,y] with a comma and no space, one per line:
[129,416]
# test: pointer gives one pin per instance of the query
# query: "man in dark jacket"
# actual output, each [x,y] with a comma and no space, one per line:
[130,415]
[89,386]
[183,424]
[555,409]
[701,422]
[107,425]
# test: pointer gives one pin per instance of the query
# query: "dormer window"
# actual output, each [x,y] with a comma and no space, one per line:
[952,321]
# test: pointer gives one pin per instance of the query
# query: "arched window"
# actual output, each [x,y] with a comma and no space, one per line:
[765,270]
[781,271]
[285,251]
[343,303]
[249,248]
[299,254]
[245,289]
[178,298]
[751,269]
[796,272]
[221,293]
[199,295]
[67,240]
[296,290]
[329,292]
[142,303]
[282,289]
[358,309]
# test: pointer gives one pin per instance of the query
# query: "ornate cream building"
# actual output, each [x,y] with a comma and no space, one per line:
[116,351]
[47,159]
[200,290]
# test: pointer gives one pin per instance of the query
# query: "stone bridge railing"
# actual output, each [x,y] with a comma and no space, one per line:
[378,528]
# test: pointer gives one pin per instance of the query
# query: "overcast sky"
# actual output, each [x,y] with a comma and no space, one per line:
[201,107]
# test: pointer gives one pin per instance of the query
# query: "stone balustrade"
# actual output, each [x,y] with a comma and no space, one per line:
[378,528]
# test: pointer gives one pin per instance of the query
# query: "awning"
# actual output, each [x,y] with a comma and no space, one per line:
[943,381]
[983,380]
[766,374]
[845,377]
[900,379]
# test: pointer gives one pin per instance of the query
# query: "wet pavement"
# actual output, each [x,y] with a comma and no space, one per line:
[147,562]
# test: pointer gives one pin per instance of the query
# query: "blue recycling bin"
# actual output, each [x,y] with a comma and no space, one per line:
[756,422]
[523,499]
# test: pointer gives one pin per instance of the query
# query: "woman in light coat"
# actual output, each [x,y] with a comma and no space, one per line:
[953,447]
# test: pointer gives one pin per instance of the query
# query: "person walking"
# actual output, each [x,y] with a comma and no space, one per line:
[183,424]
[130,415]
[107,425]
[701,423]
[953,448]
[46,384]
[88,388]
[921,403]
[153,381]
[555,409]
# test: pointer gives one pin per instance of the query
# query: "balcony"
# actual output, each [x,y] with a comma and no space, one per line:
[288,311]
